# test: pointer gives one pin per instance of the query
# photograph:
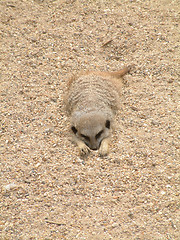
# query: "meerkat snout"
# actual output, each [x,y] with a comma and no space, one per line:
[92,128]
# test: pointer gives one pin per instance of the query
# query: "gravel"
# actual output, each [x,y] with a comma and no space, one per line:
[47,190]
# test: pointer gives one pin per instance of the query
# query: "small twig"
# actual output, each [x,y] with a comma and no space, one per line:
[11,5]
[57,223]
[106,43]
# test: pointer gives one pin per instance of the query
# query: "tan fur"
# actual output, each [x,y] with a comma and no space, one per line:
[92,101]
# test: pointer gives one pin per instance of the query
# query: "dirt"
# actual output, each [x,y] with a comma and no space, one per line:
[47,190]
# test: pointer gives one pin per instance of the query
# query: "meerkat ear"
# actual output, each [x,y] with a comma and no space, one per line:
[107,124]
[74,129]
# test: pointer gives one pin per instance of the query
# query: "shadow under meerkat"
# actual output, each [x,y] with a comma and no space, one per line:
[92,100]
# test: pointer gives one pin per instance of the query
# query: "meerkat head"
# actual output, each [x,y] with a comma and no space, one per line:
[92,128]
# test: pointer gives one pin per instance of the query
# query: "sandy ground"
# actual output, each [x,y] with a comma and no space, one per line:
[47,190]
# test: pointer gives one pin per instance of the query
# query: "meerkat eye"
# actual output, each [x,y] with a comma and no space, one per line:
[74,129]
[85,137]
[107,124]
[99,134]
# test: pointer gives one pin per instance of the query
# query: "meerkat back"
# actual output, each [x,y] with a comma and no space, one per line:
[91,102]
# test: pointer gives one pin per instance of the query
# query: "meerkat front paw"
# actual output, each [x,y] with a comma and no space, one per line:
[83,148]
[104,148]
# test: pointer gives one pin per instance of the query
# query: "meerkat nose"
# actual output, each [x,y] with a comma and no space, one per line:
[94,148]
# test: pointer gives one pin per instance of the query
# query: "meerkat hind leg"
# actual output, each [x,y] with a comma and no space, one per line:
[104,148]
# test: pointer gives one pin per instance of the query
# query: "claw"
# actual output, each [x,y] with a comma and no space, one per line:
[84,149]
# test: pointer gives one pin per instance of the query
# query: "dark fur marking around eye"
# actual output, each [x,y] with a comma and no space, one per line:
[74,129]
[99,134]
[107,124]
[85,137]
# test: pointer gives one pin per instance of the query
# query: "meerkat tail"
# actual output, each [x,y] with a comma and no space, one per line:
[119,73]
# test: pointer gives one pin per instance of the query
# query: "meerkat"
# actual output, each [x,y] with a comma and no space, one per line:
[92,101]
